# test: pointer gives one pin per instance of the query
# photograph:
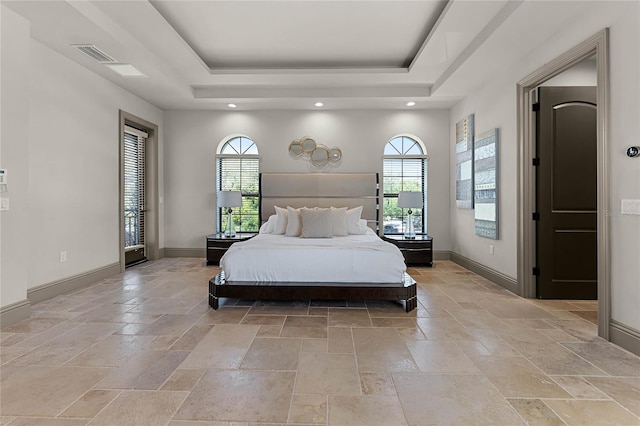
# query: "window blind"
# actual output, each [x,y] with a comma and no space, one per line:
[403,174]
[134,179]
[238,173]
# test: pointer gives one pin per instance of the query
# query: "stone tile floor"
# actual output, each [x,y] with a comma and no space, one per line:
[144,348]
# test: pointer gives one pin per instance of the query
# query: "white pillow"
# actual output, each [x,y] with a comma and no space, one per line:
[267,227]
[294,222]
[353,221]
[364,227]
[281,221]
[339,221]
[316,223]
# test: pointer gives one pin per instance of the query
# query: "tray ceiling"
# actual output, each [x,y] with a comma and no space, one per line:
[308,34]
[290,54]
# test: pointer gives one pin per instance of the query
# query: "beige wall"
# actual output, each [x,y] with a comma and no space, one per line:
[494,105]
[191,139]
[60,144]
[14,144]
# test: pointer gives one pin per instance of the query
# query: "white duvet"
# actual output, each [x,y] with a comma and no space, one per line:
[278,258]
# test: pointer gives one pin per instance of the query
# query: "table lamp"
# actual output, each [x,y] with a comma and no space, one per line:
[408,199]
[228,200]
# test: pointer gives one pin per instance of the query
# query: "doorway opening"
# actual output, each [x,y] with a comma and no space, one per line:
[138,191]
[596,47]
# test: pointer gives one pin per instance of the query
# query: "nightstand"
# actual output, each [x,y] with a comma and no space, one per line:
[217,245]
[417,251]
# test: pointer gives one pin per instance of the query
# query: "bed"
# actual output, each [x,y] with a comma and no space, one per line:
[356,266]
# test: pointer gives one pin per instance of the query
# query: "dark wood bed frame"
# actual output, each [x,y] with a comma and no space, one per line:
[321,190]
[405,291]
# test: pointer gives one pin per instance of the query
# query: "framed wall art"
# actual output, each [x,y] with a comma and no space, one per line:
[486,184]
[464,163]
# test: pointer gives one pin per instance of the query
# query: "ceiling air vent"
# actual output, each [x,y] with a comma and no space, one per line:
[94,53]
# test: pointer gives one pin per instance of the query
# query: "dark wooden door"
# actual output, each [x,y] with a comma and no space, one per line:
[567,193]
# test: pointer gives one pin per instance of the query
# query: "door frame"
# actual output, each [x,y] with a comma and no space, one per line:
[597,45]
[150,188]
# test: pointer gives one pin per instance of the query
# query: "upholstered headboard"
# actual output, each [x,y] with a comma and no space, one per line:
[321,190]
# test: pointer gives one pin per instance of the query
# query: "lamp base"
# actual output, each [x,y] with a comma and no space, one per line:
[409,233]
[231,228]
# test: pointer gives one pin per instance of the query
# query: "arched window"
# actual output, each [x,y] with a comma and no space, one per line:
[238,169]
[404,169]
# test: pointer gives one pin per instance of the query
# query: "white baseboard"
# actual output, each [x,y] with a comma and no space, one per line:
[14,313]
[441,255]
[624,336]
[55,288]
[185,252]
[499,278]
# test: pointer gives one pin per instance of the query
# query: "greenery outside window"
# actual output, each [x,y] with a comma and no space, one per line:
[238,169]
[404,169]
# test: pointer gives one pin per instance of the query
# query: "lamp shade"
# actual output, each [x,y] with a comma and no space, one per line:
[408,199]
[229,199]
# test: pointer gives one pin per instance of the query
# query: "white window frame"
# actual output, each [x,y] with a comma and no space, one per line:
[219,161]
[424,157]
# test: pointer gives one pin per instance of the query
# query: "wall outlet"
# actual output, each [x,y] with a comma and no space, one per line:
[63,256]
[491,249]
[4,204]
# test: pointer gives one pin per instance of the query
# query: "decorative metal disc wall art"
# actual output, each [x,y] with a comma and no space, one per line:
[295,148]
[335,155]
[308,145]
[319,157]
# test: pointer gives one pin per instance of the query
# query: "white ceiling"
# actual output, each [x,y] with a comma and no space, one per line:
[288,54]
[308,34]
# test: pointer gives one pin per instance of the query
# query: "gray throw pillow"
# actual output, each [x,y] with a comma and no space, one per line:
[316,223]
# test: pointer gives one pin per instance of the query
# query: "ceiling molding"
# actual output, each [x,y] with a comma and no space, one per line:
[227,47]
[432,32]
[294,71]
[482,36]
[278,92]
[153,10]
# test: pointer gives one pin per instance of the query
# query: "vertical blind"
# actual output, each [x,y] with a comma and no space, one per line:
[134,202]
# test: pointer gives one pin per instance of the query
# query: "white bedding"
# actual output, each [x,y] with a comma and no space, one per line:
[278,258]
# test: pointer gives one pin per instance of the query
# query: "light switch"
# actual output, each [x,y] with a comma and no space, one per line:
[630,207]
[4,204]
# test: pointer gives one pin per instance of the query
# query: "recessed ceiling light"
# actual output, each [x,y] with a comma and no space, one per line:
[319,104]
[232,105]
[125,70]
[411,103]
